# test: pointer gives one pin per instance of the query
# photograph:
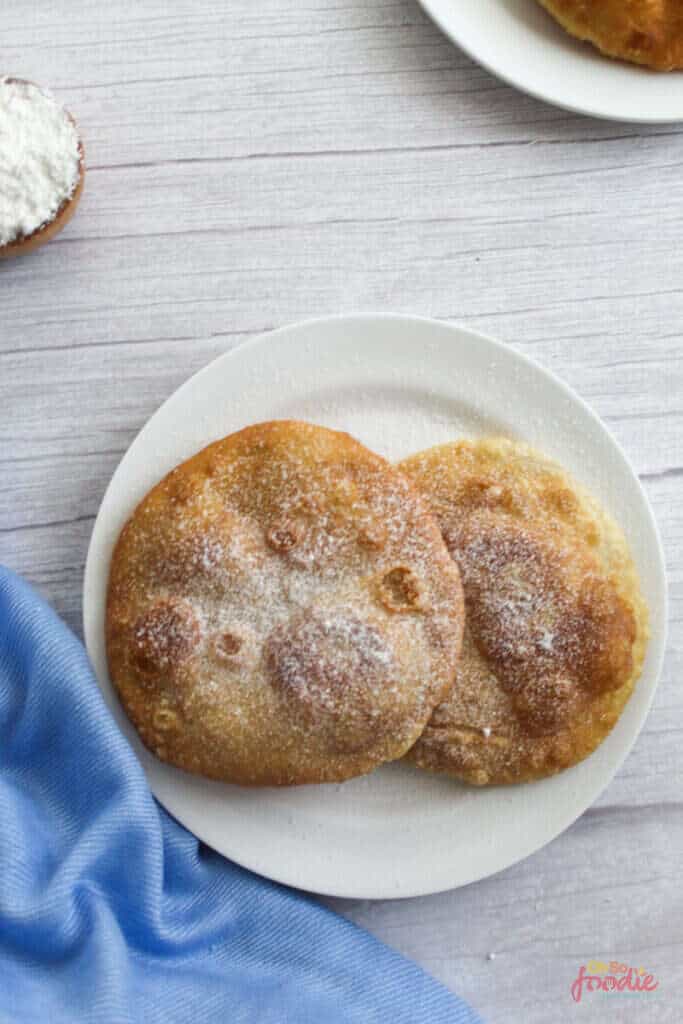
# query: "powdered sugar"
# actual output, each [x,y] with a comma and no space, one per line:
[325,604]
[546,640]
[39,159]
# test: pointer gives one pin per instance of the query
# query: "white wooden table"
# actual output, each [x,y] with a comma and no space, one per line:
[251,164]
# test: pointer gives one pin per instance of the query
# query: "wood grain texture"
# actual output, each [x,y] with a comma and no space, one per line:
[255,164]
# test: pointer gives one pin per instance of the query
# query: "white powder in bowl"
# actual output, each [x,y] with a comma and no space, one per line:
[39,159]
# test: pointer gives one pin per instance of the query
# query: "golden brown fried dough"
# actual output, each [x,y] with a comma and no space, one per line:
[648,32]
[556,626]
[282,609]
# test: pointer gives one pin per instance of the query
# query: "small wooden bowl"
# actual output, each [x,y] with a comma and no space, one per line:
[27,243]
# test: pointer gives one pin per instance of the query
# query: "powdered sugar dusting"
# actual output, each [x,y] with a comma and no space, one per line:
[548,637]
[39,159]
[317,578]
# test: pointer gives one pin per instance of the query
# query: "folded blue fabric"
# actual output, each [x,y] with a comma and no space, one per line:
[110,912]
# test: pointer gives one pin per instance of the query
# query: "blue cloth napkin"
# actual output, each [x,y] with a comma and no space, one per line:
[112,913]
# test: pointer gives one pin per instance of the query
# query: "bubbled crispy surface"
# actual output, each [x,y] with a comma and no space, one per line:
[648,32]
[556,626]
[282,609]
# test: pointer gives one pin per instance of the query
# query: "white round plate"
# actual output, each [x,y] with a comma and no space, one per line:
[399,384]
[519,41]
